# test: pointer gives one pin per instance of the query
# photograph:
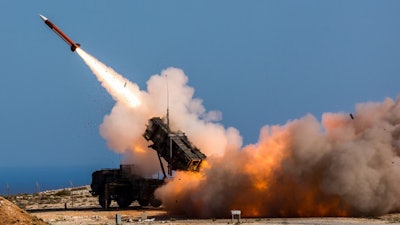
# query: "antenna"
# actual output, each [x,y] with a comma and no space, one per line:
[166,79]
[169,131]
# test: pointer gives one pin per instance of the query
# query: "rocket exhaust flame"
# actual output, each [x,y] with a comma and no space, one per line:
[340,166]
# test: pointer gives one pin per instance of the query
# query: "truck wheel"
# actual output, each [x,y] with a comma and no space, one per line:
[102,202]
[124,202]
[143,202]
[155,202]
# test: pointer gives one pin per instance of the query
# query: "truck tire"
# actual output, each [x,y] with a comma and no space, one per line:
[102,201]
[155,202]
[143,202]
[123,202]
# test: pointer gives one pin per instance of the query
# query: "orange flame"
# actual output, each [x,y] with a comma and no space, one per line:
[258,180]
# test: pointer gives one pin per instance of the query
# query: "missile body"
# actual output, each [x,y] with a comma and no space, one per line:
[63,36]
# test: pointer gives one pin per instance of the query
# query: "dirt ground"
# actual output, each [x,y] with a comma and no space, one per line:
[76,206]
[12,214]
[138,215]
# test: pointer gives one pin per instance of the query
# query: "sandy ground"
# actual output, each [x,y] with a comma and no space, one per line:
[83,209]
[137,215]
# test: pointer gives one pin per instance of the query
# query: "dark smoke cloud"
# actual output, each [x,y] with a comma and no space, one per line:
[339,167]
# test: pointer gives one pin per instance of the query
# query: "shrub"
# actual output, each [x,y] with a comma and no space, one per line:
[63,193]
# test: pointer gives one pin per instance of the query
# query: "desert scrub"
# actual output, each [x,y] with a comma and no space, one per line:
[63,193]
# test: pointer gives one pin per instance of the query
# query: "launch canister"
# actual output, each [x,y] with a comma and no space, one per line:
[62,35]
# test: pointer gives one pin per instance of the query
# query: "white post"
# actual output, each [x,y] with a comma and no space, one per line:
[236,213]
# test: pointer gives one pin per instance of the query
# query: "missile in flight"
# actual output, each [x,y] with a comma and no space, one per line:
[62,35]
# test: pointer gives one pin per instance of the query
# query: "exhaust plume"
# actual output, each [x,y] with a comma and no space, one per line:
[124,126]
[340,166]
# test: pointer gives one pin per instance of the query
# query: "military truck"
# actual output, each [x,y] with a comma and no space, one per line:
[124,185]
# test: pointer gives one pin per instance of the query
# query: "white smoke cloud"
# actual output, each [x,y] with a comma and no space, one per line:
[337,167]
[124,126]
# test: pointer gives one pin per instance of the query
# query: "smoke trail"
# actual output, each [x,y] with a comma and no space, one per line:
[118,87]
[341,166]
[124,127]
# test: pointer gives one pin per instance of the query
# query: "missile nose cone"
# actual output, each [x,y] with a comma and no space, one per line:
[43,17]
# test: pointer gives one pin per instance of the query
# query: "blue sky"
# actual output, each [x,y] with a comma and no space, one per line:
[258,62]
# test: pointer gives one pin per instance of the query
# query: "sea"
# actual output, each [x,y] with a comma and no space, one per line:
[29,180]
